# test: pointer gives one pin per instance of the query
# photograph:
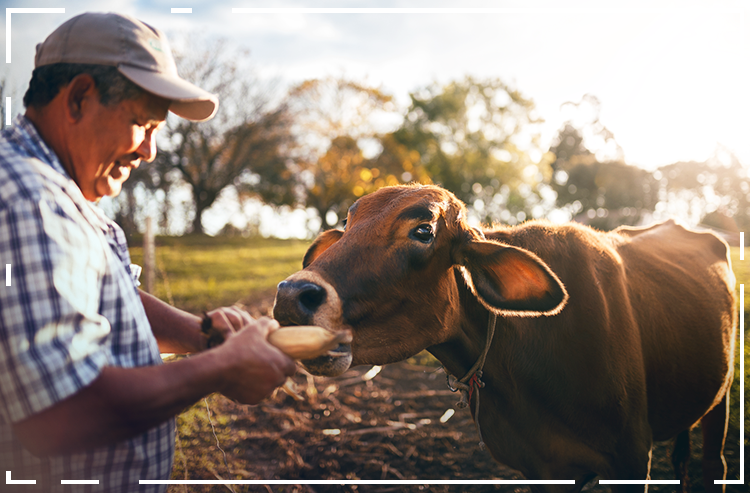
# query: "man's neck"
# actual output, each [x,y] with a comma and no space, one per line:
[47,123]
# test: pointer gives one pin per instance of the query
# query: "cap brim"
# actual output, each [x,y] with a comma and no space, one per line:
[188,100]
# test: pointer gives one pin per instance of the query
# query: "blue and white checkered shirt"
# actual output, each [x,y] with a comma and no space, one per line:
[72,309]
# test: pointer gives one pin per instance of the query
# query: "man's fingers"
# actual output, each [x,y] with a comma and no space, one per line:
[227,323]
[242,314]
[228,320]
[238,318]
[269,324]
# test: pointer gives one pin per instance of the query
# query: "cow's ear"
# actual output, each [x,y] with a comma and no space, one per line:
[321,244]
[511,280]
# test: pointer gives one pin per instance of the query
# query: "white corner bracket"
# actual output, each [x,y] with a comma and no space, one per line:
[17,481]
[742,393]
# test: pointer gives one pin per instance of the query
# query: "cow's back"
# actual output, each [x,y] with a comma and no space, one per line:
[681,289]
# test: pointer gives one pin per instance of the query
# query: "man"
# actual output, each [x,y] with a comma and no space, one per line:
[84,395]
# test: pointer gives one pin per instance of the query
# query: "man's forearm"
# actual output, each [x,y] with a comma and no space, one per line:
[125,402]
[175,330]
[119,404]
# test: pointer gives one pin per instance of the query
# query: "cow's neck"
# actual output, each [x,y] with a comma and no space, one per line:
[469,336]
[464,348]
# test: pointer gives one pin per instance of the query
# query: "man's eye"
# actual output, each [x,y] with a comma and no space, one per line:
[423,233]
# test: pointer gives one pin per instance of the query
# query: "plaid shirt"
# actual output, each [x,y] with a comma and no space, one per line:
[72,309]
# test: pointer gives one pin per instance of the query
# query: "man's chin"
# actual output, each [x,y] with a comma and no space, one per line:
[108,187]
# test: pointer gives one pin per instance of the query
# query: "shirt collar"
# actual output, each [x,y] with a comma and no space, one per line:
[24,133]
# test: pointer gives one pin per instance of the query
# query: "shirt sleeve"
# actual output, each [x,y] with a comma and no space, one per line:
[51,331]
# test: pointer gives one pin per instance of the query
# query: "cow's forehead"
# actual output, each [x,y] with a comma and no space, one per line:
[404,203]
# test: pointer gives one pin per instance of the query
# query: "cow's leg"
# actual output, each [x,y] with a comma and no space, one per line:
[681,459]
[634,462]
[714,425]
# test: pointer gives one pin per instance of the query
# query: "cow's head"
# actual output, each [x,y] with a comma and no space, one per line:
[389,278]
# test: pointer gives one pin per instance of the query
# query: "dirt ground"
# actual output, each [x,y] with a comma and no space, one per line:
[392,425]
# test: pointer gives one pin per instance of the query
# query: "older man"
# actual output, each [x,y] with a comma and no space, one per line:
[83,393]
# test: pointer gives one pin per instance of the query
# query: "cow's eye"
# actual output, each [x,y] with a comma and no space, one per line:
[423,233]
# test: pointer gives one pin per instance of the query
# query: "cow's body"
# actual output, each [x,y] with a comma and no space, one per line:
[603,341]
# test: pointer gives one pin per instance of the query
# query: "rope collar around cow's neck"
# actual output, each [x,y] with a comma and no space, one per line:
[472,379]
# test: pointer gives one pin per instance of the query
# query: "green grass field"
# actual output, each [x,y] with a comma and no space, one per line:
[201,273]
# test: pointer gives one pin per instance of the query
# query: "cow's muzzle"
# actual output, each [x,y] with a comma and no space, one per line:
[305,298]
[297,302]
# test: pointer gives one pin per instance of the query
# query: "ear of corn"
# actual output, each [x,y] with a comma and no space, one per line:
[306,341]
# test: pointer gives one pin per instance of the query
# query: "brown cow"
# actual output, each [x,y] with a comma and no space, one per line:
[603,342]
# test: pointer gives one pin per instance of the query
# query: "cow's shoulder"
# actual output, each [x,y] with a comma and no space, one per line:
[670,238]
[549,240]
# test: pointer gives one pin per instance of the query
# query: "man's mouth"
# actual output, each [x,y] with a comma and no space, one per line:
[121,171]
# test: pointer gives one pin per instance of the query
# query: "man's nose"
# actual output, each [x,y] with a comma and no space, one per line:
[147,150]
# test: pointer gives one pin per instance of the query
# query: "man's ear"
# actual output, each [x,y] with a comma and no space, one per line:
[510,280]
[321,244]
[78,94]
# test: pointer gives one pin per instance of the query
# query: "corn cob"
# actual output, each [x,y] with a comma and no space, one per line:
[307,341]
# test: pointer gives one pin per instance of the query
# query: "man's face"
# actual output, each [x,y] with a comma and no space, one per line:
[112,142]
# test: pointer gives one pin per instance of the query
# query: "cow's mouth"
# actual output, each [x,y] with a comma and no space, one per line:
[331,364]
[340,350]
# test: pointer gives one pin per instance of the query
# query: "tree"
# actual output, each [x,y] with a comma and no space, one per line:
[476,138]
[596,185]
[246,145]
[331,107]
[603,194]
[252,149]
[334,119]
[715,192]
[335,177]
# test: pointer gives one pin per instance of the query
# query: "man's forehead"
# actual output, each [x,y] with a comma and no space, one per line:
[150,108]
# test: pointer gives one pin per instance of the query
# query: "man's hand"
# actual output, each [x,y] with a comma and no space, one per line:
[259,367]
[221,324]
[256,367]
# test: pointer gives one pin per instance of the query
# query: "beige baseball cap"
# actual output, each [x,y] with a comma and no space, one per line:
[140,52]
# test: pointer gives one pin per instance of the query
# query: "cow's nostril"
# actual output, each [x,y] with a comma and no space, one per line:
[311,296]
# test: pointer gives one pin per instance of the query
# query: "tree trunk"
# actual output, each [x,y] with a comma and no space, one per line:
[198,220]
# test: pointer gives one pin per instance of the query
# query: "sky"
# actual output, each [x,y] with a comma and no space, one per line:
[671,77]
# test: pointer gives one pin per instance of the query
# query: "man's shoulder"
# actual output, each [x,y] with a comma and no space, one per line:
[19,176]
[28,167]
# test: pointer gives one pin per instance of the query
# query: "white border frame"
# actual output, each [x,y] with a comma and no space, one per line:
[609,10]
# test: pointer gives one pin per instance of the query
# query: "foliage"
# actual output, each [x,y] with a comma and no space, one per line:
[605,194]
[334,117]
[474,137]
[332,107]
[716,190]
[591,180]
[336,175]
[595,186]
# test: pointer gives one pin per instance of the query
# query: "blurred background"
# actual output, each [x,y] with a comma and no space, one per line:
[606,113]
